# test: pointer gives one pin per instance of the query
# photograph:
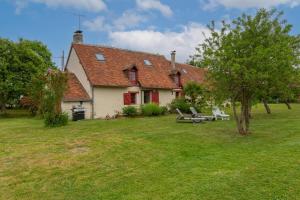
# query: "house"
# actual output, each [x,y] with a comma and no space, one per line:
[105,79]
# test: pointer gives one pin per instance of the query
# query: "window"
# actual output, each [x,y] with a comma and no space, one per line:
[147,96]
[177,80]
[133,76]
[155,97]
[147,62]
[133,98]
[129,98]
[100,57]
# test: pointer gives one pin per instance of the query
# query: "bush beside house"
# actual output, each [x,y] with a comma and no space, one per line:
[56,120]
[150,109]
[130,111]
[181,104]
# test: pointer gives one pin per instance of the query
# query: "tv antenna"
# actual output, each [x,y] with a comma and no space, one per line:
[62,59]
[80,16]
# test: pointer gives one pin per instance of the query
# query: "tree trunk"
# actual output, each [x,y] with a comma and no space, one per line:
[246,115]
[237,119]
[267,107]
[250,111]
[288,105]
[242,121]
[2,108]
[58,109]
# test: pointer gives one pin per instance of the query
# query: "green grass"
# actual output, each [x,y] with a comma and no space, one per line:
[152,158]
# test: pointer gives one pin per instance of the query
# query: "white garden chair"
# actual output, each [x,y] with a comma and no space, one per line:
[196,114]
[188,118]
[219,114]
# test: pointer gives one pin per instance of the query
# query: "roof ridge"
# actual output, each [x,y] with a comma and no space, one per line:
[123,49]
[186,64]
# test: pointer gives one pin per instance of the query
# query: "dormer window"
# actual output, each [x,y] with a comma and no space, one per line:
[147,62]
[177,80]
[133,76]
[100,57]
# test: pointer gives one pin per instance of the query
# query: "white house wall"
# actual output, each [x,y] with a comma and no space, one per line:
[166,97]
[75,67]
[109,101]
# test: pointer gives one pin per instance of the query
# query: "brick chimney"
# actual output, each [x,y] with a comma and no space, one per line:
[173,60]
[78,37]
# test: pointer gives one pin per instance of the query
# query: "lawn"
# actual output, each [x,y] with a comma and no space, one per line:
[152,158]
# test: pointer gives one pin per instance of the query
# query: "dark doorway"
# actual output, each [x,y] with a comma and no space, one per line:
[147,96]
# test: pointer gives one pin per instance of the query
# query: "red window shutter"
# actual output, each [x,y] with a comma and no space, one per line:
[155,97]
[127,98]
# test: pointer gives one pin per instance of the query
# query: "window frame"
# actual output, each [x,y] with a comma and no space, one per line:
[177,80]
[132,76]
[147,62]
[133,98]
[100,57]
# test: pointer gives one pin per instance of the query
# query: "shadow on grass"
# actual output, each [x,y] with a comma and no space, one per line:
[15,113]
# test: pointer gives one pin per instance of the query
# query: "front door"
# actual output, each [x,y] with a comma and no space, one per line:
[147,96]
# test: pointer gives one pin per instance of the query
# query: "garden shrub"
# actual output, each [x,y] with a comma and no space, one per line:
[151,109]
[164,110]
[130,111]
[181,104]
[51,97]
[56,120]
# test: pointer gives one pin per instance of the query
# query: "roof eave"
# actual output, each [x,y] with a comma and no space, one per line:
[76,100]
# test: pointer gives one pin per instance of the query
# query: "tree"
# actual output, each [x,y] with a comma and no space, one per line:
[193,61]
[7,87]
[56,84]
[36,94]
[46,96]
[284,74]
[245,55]
[197,95]
[193,91]
[20,63]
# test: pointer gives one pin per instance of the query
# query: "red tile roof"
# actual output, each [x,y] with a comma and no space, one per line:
[75,91]
[191,73]
[111,71]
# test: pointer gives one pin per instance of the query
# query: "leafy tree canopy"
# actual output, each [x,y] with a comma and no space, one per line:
[249,58]
[20,63]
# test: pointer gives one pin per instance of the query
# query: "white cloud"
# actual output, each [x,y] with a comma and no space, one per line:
[97,24]
[129,19]
[244,4]
[89,5]
[19,6]
[184,41]
[155,5]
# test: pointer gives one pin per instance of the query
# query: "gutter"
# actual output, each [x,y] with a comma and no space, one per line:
[93,100]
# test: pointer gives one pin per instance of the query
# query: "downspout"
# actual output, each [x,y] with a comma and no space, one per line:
[93,109]
[142,94]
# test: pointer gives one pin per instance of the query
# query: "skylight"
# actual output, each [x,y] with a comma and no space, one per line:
[147,62]
[100,57]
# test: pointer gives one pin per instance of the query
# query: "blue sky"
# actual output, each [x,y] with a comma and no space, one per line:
[157,26]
